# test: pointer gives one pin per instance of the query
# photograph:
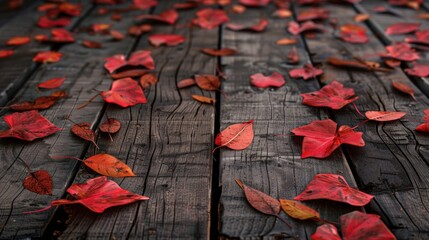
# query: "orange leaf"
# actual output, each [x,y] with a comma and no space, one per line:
[108,165]
[91,44]
[259,200]
[203,99]
[361,17]
[298,210]
[52,83]
[208,82]
[147,80]
[237,136]
[17,41]
[186,83]
[6,53]
[384,116]
[286,41]
[219,52]
[47,57]
[112,125]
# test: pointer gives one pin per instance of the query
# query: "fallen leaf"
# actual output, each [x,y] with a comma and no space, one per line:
[401,51]
[333,95]
[169,16]
[139,30]
[98,194]
[353,33]
[219,52]
[40,103]
[238,9]
[295,28]
[125,92]
[384,116]
[6,53]
[313,14]
[208,82]
[259,27]
[52,83]
[422,37]
[48,57]
[424,127]
[286,41]
[282,13]
[138,58]
[321,138]
[423,16]
[404,88]
[306,72]
[361,17]
[236,136]
[116,35]
[147,80]
[309,2]
[210,18]
[91,44]
[361,65]
[359,225]
[100,27]
[326,232]
[186,83]
[415,4]
[419,70]
[254,3]
[60,35]
[402,28]
[18,41]
[186,5]
[144,4]
[298,210]
[28,126]
[203,99]
[166,39]
[108,165]
[292,56]
[84,131]
[39,182]
[261,81]
[45,22]
[259,200]
[116,17]
[333,187]
[111,125]
[129,73]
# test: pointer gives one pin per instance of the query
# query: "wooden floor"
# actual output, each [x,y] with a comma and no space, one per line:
[168,141]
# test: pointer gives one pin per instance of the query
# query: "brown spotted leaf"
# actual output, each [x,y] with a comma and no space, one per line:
[84,131]
[298,210]
[108,165]
[208,82]
[112,125]
[259,200]
[203,99]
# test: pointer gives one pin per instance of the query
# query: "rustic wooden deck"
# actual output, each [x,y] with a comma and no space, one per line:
[168,142]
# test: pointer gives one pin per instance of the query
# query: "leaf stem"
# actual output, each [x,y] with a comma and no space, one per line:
[284,221]
[88,102]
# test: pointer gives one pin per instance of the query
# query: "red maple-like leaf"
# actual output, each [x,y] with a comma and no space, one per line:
[353,33]
[359,225]
[261,81]
[295,28]
[321,138]
[401,51]
[333,187]
[254,3]
[313,14]
[402,28]
[124,92]
[6,53]
[28,126]
[306,72]
[144,4]
[166,39]
[18,41]
[45,22]
[419,70]
[210,18]
[259,27]
[422,37]
[424,127]
[138,58]
[98,194]
[48,57]
[170,16]
[326,232]
[333,95]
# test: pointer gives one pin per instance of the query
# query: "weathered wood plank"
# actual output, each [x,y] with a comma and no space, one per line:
[273,163]
[167,142]
[84,71]
[17,69]
[393,164]
[6,14]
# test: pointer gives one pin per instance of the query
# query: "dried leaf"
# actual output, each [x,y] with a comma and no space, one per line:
[166,39]
[401,52]
[210,18]
[424,127]
[52,83]
[138,58]
[203,99]
[129,73]
[45,22]
[298,210]
[384,116]
[295,28]
[61,35]
[116,35]
[144,4]
[208,82]
[39,182]
[254,3]
[402,28]
[292,56]
[108,165]
[361,17]
[48,57]
[91,44]
[169,16]
[219,52]
[40,103]
[147,80]
[353,33]
[111,125]
[419,70]
[306,72]
[313,14]
[404,88]
[333,95]
[422,37]
[286,41]
[261,81]
[84,131]
[259,200]
[125,92]
[18,41]
[236,136]
[186,83]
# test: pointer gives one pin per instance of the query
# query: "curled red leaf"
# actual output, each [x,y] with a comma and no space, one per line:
[5,53]
[124,92]
[169,16]
[401,52]
[17,41]
[48,57]
[353,33]
[210,18]
[296,28]
[359,225]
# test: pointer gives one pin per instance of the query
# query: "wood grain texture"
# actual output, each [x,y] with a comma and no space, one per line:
[393,164]
[167,142]
[7,14]
[272,164]
[84,71]
[17,69]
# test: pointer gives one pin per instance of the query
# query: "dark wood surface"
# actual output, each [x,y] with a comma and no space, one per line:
[168,141]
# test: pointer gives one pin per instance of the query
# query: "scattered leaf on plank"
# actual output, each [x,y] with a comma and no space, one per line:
[402,28]
[208,82]
[326,231]
[424,127]
[292,56]
[138,58]
[186,83]
[166,39]
[219,52]
[203,99]
[47,57]
[169,16]
[52,83]
[298,210]
[259,27]
[210,18]
[418,70]
[261,81]
[353,33]
[4,53]
[236,136]
[254,3]
[147,80]
[39,182]
[384,116]
[111,125]
[18,41]
[43,102]
[144,4]
[46,22]
[296,28]
[400,86]
[359,225]
[313,14]
[306,72]
[421,37]
[84,131]
[259,200]
[401,51]
[125,92]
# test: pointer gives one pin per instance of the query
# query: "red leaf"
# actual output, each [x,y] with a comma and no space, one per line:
[237,136]
[422,37]
[295,28]
[384,116]
[260,27]
[210,18]
[219,52]
[48,57]
[308,71]
[404,88]
[84,131]
[419,70]
[261,81]
[333,95]
[259,200]
[45,22]
[108,165]
[424,127]
[254,3]
[61,35]
[321,138]
[402,28]
[138,58]
[98,194]
[70,9]
[208,82]
[333,187]
[112,125]
[313,14]
[91,44]
[28,126]
[353,33]
[17,41]
[144,4]
[115,62]
[169,16]
[129,73]
[401,51]
[52,83]
[101,27]
[186,83]
[326,232]
[39,182]
[125,92]
[147,80]
[43,102]
[292,56]
[358,225]
[6,53]
[166,39]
